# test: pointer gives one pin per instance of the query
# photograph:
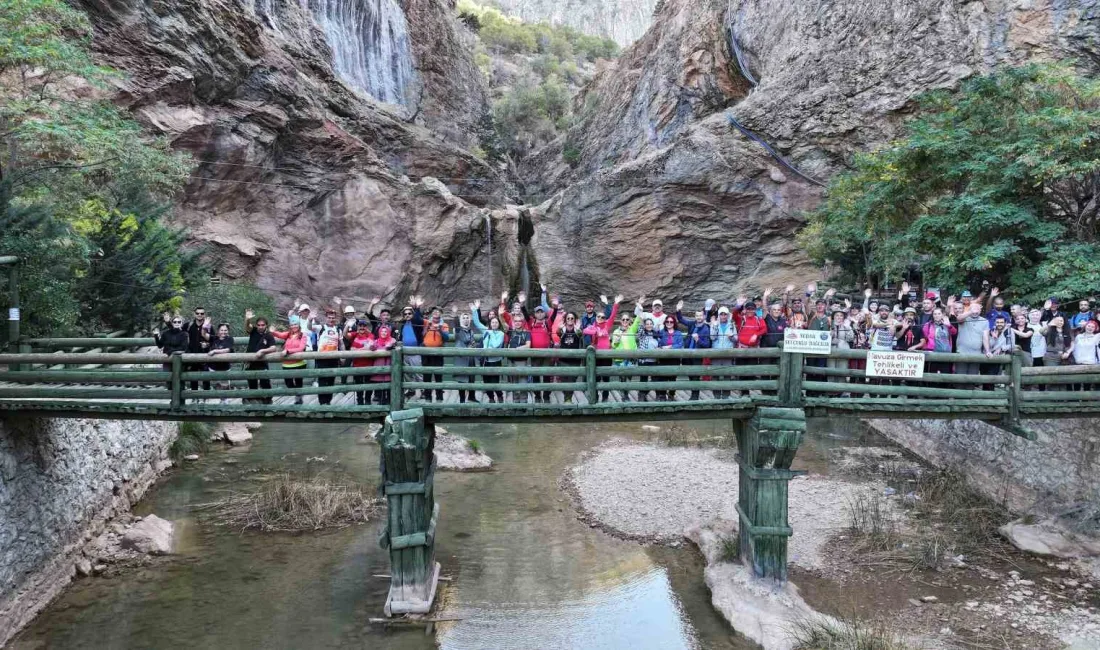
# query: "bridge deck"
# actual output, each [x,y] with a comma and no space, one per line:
[152,386]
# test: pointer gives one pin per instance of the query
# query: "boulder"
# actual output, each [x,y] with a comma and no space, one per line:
[1048,538]
[234,433]
[151,535]
[454,453]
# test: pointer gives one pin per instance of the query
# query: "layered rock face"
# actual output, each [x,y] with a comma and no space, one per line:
[667,199]
[306,183]
[622,20]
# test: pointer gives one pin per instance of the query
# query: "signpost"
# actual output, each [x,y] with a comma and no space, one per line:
[807,341]
[896,365]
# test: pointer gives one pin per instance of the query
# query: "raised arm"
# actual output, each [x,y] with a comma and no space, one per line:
[475,315]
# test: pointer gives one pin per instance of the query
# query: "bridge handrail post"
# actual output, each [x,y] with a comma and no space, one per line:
[790,379]
[590,375]
[1016,388]
[177,382]
[397,376]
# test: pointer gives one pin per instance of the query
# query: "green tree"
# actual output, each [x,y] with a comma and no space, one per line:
[999,180]
[226,303]
[95,182]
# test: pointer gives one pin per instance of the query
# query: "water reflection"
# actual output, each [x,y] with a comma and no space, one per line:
[525,572]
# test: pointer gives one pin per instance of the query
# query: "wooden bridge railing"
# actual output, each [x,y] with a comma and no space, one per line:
[604,382]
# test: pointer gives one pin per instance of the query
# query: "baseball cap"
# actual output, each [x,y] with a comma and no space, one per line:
[708,304]
[539,308]
[304,307]
[910,310]
[349,309]
[931,295]
[658,302]
[724,310]
[294,320]
[967,294]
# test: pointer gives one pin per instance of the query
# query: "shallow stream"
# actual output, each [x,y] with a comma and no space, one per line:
[524,571]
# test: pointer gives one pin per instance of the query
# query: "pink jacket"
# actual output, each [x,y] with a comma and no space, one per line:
[929,330]
[601,333]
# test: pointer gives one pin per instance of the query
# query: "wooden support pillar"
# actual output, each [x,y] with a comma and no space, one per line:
[590,375]
[177,382]
[767,445]
[397,380]
[408,470]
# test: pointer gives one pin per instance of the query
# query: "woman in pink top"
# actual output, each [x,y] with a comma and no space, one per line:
[296,342]
[600,331]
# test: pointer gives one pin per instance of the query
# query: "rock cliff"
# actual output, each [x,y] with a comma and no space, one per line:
[667,199]
[622,20]
[306,183]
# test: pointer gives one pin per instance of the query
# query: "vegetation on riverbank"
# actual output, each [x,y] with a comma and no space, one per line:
[194,438]
[999,180]
[820,634]
[289,503]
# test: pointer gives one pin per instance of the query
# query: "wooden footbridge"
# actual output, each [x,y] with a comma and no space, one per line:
[766,394]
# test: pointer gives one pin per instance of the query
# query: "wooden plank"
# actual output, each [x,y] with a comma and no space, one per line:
[1060,396]
[915,391]
[84,392]
[283,392]
[507,388]
[227,375]
[688,385]
[86,377]
[678,371]
[929,378]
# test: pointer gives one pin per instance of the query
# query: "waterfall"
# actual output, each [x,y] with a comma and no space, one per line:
[524,273]
[371,49]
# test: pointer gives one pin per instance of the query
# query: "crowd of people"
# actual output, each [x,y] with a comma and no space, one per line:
[975,325]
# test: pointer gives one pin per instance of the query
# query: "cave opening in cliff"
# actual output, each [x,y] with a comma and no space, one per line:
[526,229]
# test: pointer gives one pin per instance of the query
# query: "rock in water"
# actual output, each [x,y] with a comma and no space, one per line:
[235,433]
[151,535]
[455,453]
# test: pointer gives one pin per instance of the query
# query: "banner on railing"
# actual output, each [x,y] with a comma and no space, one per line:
[898,365]
[807,341]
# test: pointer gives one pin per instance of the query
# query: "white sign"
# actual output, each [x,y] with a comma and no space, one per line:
[13,313]
[899,365]
[807,341]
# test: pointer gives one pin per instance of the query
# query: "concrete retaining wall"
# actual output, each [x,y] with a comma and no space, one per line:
[1058,469]
[60,481]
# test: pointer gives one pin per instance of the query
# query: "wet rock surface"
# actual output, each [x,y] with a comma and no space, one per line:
[457,454]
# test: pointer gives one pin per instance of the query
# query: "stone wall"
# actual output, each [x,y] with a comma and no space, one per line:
[1042,476]
[60,482]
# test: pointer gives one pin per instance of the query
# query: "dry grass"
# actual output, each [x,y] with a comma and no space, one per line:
[288,503]
[871,519]
[855,635]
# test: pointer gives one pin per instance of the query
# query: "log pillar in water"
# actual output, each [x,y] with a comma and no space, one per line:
[767,444]
[408,469]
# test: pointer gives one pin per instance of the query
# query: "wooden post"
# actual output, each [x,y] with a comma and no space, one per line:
[790,379]
[590,375]
[397,375]
[24,348]
[1016,389]
[408,471]
[177,382]
[767,444]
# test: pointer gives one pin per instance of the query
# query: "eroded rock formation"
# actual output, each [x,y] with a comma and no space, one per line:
[667,199]
[306,184]
[622,20]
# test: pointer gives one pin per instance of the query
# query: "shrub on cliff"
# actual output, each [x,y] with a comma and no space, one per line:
[96,182]
[999,180]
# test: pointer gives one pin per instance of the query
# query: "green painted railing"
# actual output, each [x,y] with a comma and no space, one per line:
[582,382]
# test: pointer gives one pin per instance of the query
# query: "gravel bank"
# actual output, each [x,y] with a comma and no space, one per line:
[657,494]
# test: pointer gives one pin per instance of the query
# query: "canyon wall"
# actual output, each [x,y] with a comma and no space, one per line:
[665,198]
[1044,476]
[624,21]
[60,481]
[306,183]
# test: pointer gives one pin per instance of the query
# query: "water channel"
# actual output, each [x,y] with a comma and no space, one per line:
[525,572]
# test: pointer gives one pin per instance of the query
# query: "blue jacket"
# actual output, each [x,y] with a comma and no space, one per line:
[702,329]
[675,339]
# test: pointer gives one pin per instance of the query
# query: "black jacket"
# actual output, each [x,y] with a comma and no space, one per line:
[171,340]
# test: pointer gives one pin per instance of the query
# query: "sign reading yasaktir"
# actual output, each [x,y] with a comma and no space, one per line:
[807,341]
[900,365]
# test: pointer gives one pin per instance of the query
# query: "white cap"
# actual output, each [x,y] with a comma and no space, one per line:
[709,304]
[349,309]
[657,301]
[304,307]
[724,310]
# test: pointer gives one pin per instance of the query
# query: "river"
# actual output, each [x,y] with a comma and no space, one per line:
[524,571]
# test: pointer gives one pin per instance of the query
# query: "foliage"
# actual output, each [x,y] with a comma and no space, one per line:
[530,116]
[98,185]
[194,438]
[474,445]
[822,634]
[533,93]
[226,303]
[999,180]
[33,234]
[504,34]
[730,549]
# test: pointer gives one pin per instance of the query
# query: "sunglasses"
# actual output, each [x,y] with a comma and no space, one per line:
[178,322]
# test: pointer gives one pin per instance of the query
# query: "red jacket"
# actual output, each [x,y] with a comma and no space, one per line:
[601,334]
[750,328]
